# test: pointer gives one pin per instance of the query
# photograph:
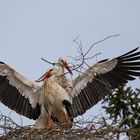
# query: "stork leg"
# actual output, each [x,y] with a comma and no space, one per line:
[67,120]
[49,121]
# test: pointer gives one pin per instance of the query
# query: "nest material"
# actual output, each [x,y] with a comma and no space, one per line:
[93,130]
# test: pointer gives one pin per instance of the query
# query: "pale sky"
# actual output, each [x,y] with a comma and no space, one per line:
[31,29]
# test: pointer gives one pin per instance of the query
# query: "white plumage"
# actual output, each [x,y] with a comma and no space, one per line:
[55,95]
[56,89]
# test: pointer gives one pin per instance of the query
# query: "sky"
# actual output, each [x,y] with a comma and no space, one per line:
[32,29]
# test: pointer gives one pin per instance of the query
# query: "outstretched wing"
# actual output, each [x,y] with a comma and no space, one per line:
[98,81]
[19,93]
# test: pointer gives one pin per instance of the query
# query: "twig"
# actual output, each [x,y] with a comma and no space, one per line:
[49,62]
[102,40]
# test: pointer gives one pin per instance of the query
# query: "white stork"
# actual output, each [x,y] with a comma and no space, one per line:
[27,98]
[44,119]
[57,101]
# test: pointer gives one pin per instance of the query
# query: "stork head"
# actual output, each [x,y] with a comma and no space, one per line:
[63,63]
[47,74]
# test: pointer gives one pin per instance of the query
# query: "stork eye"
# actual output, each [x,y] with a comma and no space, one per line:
[62,60]
[51,69]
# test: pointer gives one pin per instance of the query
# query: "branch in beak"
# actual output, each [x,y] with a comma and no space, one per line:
[44,76]
[67,67]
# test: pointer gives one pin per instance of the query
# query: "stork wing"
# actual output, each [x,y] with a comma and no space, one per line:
[100,79]
[19,93]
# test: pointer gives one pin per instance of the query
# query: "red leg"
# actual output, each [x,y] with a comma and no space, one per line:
[49,121]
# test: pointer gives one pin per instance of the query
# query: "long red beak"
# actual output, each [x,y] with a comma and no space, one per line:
[67,67]
[46,75]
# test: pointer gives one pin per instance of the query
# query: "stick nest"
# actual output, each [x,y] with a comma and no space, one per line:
[82,130]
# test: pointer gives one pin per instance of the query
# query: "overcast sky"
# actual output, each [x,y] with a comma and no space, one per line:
[31,29]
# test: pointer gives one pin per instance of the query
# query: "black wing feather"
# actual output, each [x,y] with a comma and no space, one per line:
[11,97]
[127,68]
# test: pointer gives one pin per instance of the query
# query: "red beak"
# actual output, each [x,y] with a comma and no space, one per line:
[67,67]
[46,75]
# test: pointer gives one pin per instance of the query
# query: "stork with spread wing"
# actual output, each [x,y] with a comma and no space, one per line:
[27,98]
[24,96]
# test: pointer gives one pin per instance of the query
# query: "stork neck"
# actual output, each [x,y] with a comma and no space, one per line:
[50,80]
[60,70]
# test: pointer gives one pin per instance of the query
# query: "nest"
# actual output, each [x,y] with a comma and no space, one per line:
[82,130]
